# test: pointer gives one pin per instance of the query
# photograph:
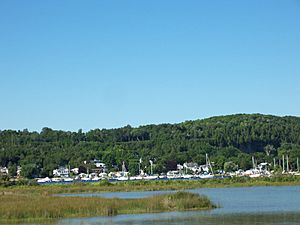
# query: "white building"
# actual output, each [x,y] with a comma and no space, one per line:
[191,166]
[179,167]
[4,170]
[75,170]
[195,168]
[61,172]
[98,163]
[19,169]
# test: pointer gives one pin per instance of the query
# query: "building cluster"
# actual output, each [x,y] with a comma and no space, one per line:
[96,170]
[93,168]
[5,172]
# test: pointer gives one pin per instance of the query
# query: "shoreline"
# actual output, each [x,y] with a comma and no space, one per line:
[154,185]
[129,186]
[20,203]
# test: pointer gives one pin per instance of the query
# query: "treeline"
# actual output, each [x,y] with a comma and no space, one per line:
[232,138]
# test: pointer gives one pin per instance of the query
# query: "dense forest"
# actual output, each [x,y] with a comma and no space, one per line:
[233,138]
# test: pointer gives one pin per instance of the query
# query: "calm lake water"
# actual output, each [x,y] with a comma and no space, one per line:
[246,205]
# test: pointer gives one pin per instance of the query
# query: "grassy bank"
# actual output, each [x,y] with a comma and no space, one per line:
[16,206]
[105,186]
[38,202]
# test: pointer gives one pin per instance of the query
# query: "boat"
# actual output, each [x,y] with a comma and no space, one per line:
[258,171]
[173,174]
[122,178]
[44,180]
[85,179]
[187,176]
[136,178]
[68,179]
[150,177]
[57,179]
[96,179]
[207,168]
[206,176]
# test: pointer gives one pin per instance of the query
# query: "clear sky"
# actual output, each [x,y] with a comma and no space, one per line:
[103,64]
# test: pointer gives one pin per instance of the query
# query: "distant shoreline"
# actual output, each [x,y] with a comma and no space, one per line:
[153,185]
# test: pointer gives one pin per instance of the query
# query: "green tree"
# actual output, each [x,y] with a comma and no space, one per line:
[12,169]
[29,171]
[133,167]
[230,166]
[269,149]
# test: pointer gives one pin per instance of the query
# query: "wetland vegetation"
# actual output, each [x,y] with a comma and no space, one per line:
[34,202]
[40,205]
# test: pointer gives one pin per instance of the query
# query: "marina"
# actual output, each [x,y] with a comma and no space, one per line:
[196,173]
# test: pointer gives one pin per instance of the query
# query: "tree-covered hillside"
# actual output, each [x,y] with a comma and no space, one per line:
[225,138]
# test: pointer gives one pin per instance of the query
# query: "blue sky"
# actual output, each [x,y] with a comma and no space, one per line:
[103,64]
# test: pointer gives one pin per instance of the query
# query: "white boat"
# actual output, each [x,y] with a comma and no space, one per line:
[162,176]
[136,178]
[206,176]
[252,173]
[187,176]
[103,175]
[86,179]
[44,180]
[207,171]
[258,171]
[122,178]
[174,174]
[68,179]
[151,177]
[56,179]
[255,175]
[96,179]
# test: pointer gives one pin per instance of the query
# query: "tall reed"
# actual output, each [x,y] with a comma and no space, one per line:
[28,206]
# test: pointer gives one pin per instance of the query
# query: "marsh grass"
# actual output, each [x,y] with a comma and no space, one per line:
[37,206]
[25,202]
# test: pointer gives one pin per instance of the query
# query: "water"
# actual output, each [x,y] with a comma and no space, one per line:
[232,200]
[190,219]
[246,205]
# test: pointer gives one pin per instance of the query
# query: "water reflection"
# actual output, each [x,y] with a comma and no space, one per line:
[234,219]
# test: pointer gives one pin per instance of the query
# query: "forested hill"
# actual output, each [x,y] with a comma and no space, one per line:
[225,138]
